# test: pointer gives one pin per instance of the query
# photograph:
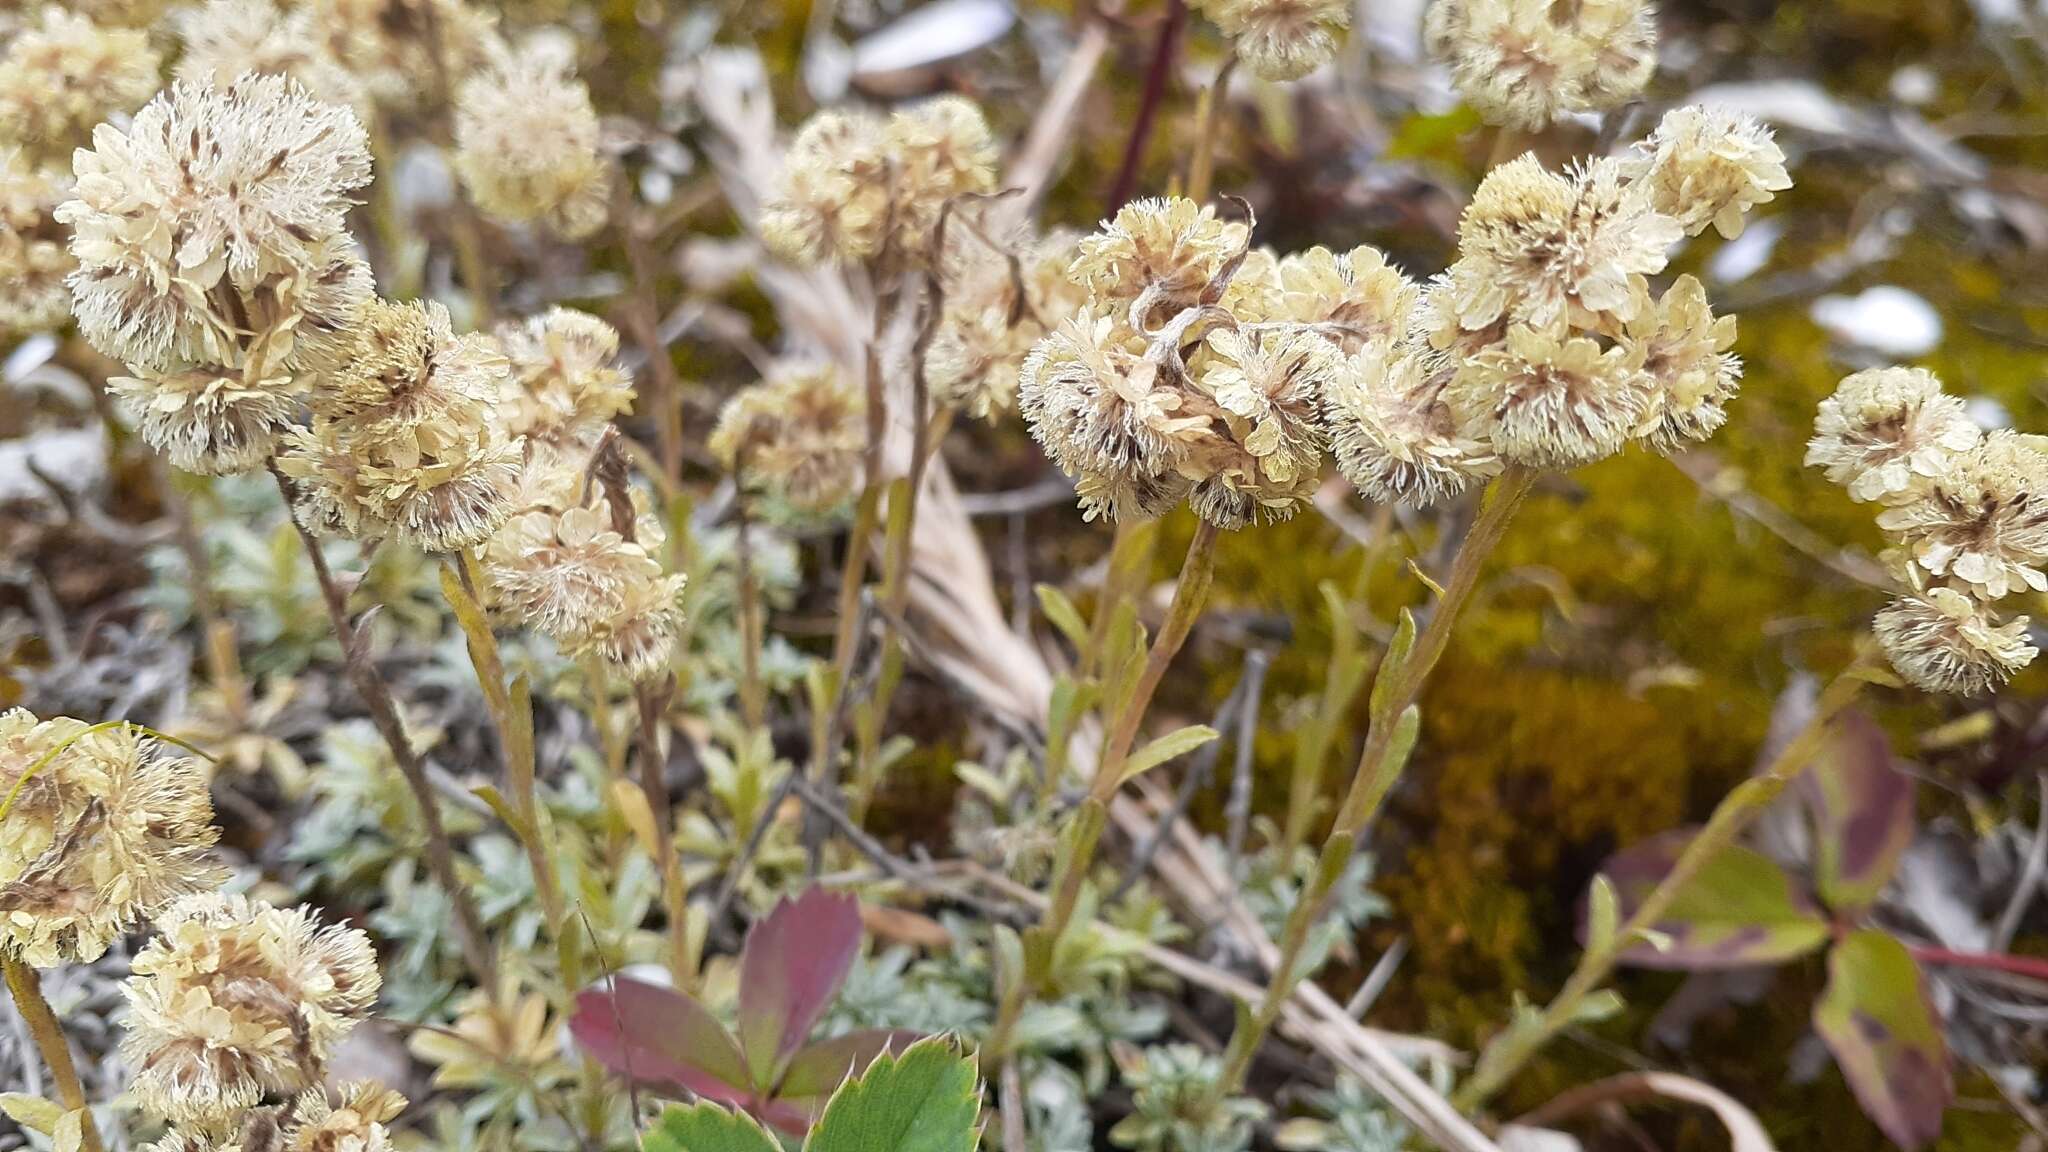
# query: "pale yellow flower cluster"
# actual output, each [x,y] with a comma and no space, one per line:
[799,435]
[996,307]
[1524,63]
[858,187]
[1968,513]
[526,144]
[566,386]
[1281,39]
[224,39]
[361,53]
[407,439]
[33,257]
[214,260]
[65,73]
[103,830]
[236,1001]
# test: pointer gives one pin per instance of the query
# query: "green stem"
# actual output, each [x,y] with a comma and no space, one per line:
[1377,771]
[1514,1046]
[1078,853]
[27,989]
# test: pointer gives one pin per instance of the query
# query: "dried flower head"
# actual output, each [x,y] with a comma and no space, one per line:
[800,434]
[1099,408]
[1709,166]
[1282,39]
[237,1000]
[976,352]
[33,257]
[1394,435]
[409,439]
[1548,251]
[1353,298]
[1682,349]
[63,74]
[833,199]
[1158,257]
[526,144]
[356,1124]
[1887,431]
[1982,519]
[104,829]
[1550,402]
[639,641]
[943,149]
[217,204]
[224,39]
[389,45]
[1944,641]
[567,386]
[1269,386]
[1525,63]
[565,572]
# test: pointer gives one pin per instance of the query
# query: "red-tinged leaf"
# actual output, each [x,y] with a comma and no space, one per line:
[1862,808]
[1877,1020]
[790,969]
[823,1066]
[658,1035]
[1739,910]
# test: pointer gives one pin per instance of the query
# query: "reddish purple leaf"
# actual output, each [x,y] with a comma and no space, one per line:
[820,1068]
[1862,808]
[658,1035]
[1739,910]
[790,969]
[1877,1020]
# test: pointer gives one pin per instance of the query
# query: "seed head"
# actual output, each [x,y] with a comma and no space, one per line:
[832,203]
[1394,435]
[800,434]
[33,258]
[1548,402]
[106,831]
[1944,641]
[236,1000]
[943,149]
[1682,349]
[1282,39]
[1887,431]
[1269,387]
[568,387]
[1525,63]
[1157,257]
[1355,298]
[63,74]
[1709,166]
[565,572]
[526,144]
[1982,519]
[224,39]
[357,1124]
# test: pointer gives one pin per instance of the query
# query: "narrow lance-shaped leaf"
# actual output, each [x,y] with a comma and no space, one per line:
[1740,909]
[925,1100]
[790,969]
[1876,1019]
[1862,808]
[1176,743]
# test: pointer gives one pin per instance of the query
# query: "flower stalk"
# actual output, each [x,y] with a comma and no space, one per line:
[1513,1047]
[1387,744]
[26,987]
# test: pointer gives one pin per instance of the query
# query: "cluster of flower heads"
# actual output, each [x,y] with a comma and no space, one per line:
[103,829]
[1206,371]
[213,259]
[526,143]
[407,438]
[799,435]
[997,304]
[361,53]
[1968,514]
[33,256]
[859,187]
[1525,63]
[1281,39]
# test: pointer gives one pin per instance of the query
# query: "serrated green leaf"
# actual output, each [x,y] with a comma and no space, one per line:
[926,1100]
[1176,743]
[704,1127]
[1876,1019]
[1063,615]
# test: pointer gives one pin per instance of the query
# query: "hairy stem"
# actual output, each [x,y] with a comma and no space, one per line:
[1376,774]
[1208,117]
[1085,830]
[1513,1046]
[27,989]
[376,694]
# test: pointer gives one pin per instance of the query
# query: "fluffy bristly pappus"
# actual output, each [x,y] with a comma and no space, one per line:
[791,969]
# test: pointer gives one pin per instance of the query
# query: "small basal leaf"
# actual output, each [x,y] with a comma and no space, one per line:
[1740,909]
[1390,667]
[1603,914]
[704,1127]
[652,1034]
[1862,809]
[926,1100]
[791,967]
[1876,1019]
[1177,743]
[32,1112]
[1063,614]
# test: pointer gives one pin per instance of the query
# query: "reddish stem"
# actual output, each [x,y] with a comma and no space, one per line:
[1148,104]
[2031,966]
